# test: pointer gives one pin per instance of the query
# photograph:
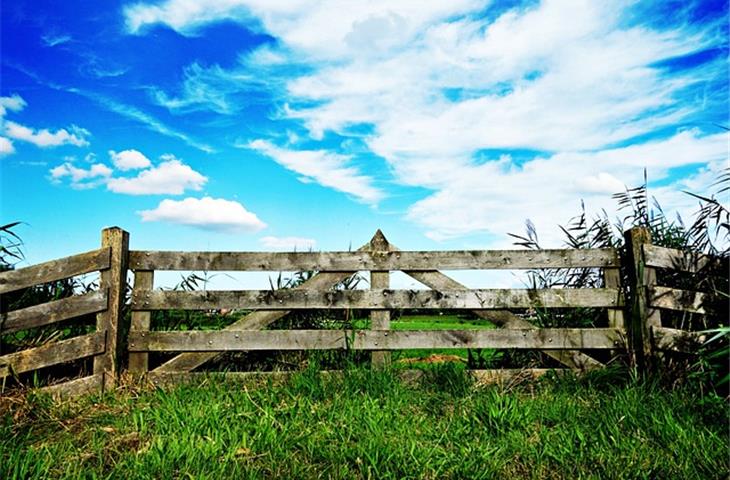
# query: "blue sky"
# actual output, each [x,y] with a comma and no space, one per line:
[249,125]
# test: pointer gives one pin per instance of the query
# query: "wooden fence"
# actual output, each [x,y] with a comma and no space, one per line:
[568,346]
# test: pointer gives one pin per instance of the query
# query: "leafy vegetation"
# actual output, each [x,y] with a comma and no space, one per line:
[368,424]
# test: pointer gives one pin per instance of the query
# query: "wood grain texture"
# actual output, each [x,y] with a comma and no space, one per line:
[52,312]
[53,353]
[544,338]
[114,280]
[140,321]
[675,299]
[74,388]
[677,340]
[373,261]
[54,270]
[375,299]
[506,319]
[253,321]
[670,258]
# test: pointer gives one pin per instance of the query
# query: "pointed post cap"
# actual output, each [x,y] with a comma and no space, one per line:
[379,243]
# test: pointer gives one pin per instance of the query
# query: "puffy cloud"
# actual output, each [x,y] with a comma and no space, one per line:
[81,178]
[45,138]
[326,168]
[14,103]
[205,213]
[288,243]
[170,177]
[129,159]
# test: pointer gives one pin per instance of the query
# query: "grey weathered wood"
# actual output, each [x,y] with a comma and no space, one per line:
[140,322]
[253,321]
[378,261]
[643,317]
[376,299]
[114,280]
[662,257]
[54,270]
[544,338]
[52,312]
[74,388]
[612,279]
[675,299]
[677,340]
[503,318]
[53,353]
[380,319]
[482,377]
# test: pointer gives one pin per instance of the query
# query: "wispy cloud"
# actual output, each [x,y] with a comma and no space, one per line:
[52,40]
[120,108]
[325,168]
[447,91]
[300,244]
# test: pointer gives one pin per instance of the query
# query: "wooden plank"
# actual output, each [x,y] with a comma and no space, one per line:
[380,319]
[292,299]
[110,320]
[53,353]
[74,388]
[670,258]
[378,261]
[140,322]
[52,312]
[54,270]
[677,340]
[503,318]
[675,299]
[545,338]
[481,377]
[253,321]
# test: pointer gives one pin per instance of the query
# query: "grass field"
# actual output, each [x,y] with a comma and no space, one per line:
[370,425]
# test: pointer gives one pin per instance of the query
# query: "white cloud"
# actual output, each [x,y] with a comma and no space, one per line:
[205,213]
[81,178]
[326,168]
[129,159]
[14,103]
[447,92]
[45,138]
[288,243]
[171,177]
[6,147]
[51,40]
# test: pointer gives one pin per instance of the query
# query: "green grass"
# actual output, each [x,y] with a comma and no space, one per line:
[370,425]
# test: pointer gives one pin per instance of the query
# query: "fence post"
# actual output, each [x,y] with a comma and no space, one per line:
[143,281]
[641,277]
[380,319]
[113,279]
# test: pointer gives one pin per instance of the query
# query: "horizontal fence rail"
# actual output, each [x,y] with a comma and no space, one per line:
[673,259]
[55,270]
[377,261]
[53,353]
[482,299]
[679,300]
[53,312]
[545,338]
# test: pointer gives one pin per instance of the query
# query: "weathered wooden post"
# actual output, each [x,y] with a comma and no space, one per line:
[641,277]
[380,319]
[143,282]
[114,280]
[612,279]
